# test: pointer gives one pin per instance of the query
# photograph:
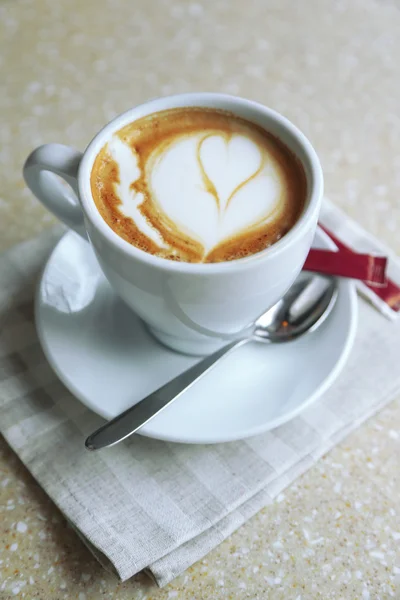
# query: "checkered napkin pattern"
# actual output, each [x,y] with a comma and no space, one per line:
[146,504]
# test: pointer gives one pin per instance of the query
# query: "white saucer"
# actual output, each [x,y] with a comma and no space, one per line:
[102,352]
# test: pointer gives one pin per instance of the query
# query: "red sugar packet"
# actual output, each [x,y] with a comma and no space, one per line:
[350,237]
[346,263]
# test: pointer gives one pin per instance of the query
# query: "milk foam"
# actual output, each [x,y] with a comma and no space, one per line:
[129,172]
[210,185]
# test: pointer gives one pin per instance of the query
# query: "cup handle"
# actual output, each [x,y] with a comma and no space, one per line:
[40,172]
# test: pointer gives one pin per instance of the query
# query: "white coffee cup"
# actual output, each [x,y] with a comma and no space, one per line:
[188,307]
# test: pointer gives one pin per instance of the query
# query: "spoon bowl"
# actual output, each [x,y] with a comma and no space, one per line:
[305,306]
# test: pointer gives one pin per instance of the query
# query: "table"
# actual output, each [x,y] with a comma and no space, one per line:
[332,67]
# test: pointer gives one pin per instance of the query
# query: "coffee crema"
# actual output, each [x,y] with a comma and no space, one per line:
[198,185]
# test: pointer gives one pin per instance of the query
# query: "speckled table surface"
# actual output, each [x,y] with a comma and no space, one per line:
[332,67]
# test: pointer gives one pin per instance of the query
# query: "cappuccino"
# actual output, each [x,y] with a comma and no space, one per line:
[198,185]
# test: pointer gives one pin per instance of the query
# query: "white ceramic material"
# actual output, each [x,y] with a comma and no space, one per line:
[105,356]
[179,301]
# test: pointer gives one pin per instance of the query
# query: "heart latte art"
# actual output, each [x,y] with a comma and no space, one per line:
[197,185]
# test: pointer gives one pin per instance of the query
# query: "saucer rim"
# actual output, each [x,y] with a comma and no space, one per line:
[346,286]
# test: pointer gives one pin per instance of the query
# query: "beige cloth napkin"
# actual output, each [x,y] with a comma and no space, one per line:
[146,504]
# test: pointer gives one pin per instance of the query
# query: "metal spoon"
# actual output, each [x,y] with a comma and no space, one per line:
[302,309]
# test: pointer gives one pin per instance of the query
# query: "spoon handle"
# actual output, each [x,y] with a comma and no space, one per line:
[134,418]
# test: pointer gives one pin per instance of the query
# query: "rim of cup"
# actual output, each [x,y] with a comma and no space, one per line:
[248,109]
